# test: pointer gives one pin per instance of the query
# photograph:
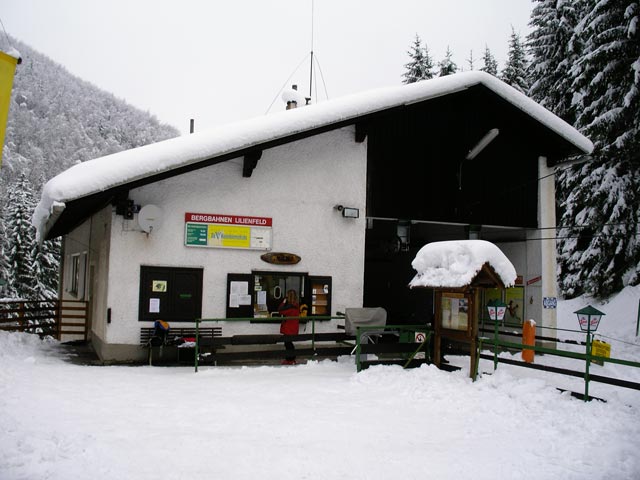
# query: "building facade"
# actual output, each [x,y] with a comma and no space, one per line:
[350,189]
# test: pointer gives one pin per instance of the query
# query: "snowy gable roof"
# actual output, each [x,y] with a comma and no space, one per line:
[105,173]
[456,264]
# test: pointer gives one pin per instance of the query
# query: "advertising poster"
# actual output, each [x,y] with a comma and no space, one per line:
[514,298]
[455,312]
[212,230]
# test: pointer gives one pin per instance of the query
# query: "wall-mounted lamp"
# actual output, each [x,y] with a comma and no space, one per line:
[348,212]
[482,144]
[475,151]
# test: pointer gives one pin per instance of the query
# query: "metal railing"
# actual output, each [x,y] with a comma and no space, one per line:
[587,357]
[403,348]
[409,352]
[274,320]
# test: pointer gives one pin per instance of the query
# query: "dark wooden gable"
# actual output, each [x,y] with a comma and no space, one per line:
[417,168]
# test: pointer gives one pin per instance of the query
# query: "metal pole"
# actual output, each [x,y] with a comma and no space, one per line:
[586,372]
[638,321]
[495,344]
[358,349]
[197,350]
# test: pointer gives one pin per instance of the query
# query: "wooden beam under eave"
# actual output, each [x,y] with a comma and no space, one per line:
[362,129]
[250,162]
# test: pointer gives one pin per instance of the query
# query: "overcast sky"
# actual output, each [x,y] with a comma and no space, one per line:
[222,61]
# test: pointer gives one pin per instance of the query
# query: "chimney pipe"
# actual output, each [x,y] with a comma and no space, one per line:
[192,125]
[291,104]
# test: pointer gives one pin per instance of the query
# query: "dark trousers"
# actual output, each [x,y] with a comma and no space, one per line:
[291,351]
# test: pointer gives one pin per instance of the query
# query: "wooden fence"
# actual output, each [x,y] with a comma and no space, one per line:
[55,318]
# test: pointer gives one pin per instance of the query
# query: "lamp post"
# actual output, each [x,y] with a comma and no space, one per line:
[589,320]
[496,309]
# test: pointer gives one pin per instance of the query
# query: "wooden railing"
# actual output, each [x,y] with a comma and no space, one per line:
[55,318]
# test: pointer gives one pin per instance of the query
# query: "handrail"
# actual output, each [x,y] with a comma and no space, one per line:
[274,320]
[588,357]
[359,332]
[362,331]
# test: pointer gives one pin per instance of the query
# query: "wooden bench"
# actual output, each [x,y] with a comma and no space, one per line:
[182,338]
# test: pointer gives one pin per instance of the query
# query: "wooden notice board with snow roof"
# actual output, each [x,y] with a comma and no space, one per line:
[458,272]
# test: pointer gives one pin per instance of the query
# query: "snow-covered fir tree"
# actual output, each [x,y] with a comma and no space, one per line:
[599,244]
[471,61]
[515,72]
[4,263]
[46,268]
[489,62]
[20,239]
[554,50]
[447,66]
[421,65]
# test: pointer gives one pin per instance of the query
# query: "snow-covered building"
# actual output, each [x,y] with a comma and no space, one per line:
[350,189]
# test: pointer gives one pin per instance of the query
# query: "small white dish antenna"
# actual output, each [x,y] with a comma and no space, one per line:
[149,218]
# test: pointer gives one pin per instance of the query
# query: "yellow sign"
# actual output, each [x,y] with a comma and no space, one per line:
[159,286]
[600,349]
[229,236]
[7,71]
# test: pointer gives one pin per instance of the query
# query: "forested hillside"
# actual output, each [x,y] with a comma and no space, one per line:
[55,120]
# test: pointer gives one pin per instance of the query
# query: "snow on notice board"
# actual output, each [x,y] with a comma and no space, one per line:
[455,263]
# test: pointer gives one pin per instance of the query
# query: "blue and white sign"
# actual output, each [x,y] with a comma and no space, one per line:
[550,302]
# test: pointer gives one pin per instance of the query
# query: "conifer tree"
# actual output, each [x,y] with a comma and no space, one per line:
[515,70]
[421,65]
[5,290]
[471,61]
[46,267]
[554,50]
[489,62]
[601,252]
[446,65]
[20,239]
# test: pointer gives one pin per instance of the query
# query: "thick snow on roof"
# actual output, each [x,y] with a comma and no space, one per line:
[455,263]
[120,168]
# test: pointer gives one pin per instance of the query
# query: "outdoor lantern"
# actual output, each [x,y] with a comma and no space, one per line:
[589,318]
[496,309]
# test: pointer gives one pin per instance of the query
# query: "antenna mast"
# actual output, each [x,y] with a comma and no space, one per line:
[311,65]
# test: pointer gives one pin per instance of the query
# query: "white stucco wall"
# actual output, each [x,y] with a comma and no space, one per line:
[297,185]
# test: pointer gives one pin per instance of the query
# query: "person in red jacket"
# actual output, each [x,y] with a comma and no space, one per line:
[290,308]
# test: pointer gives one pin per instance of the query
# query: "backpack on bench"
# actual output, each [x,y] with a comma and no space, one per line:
[160,334]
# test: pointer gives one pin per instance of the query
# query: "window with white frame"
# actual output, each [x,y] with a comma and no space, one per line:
[76,271]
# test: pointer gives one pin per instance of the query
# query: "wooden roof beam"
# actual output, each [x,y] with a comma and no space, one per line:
[250,162]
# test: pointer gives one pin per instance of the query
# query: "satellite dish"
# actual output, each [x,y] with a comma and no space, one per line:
[149,218]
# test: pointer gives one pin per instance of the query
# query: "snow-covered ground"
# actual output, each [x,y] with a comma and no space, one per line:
[321,420]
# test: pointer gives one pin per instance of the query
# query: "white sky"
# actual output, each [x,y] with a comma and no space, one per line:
[220,61]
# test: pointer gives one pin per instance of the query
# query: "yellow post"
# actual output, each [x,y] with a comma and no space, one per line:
[7,70]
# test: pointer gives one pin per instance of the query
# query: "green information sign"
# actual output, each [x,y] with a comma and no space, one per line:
[196,234]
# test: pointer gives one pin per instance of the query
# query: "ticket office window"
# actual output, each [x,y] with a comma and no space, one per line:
[260,293]
[270,289]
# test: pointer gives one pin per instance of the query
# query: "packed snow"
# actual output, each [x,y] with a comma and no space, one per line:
[130,165]
[456,263]
[318,420]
